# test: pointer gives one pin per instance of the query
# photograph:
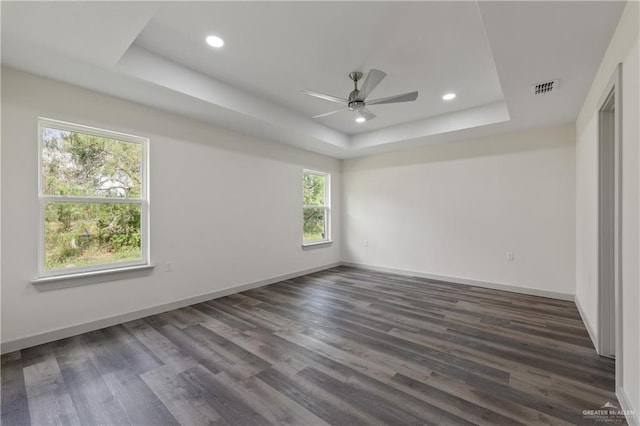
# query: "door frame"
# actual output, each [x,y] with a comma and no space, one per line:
[610,222]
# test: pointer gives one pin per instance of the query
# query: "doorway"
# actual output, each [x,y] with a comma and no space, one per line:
[609,222]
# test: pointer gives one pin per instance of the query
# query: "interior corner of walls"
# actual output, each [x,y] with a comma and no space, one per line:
[95,324]
[513,288]
[593,335]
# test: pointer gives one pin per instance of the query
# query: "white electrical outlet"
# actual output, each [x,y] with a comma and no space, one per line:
[510,256]
[169,267]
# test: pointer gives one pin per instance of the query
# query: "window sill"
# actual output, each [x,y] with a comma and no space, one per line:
[82,278]
[316,244]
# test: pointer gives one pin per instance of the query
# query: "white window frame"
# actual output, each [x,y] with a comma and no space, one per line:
[43,272]
[326,207]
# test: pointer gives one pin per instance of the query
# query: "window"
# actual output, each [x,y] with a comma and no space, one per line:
[93,199]
[316,210]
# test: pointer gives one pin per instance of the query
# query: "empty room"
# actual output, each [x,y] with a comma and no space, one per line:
[320,213]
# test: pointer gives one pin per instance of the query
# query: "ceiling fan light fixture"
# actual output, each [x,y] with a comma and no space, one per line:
[448,96]
[215,41]
[360,120]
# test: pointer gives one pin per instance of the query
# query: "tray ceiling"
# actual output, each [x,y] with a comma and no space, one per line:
[488,53]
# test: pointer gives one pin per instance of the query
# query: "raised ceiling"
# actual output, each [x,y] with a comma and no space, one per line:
[293,46]
[488,53]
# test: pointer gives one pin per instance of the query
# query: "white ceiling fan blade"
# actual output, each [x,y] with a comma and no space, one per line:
[329,113]
[325,97]
[366,114]
[371,82]
[405,97]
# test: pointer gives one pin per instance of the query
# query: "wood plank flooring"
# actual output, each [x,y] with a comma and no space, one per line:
[343,346]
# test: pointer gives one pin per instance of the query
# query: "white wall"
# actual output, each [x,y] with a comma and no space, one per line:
[225,208]
[455,209]
[624,48]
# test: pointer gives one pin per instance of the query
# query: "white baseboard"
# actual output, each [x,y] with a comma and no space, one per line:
[632,415]
[592,334]
[49,336]
[62,333]
[467,281]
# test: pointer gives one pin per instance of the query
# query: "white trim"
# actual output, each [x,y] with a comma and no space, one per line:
[61,333]
[467,281]
[607,198]
[143,201]
[72,127]
[315,172]
[95,200]
[587,325]
[90,274]
[145,220]
[326,207]
[610,221]
[625,404]
[316,244]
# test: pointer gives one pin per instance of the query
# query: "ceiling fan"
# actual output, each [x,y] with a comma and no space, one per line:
[356,100]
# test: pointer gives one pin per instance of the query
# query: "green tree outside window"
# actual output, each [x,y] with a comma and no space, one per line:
[92,193]
[316,207]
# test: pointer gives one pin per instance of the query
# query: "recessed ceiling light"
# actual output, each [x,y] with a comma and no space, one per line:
[360,120]
[215,41]
[449,96]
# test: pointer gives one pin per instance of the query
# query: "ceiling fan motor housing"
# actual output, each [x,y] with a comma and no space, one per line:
[355,104]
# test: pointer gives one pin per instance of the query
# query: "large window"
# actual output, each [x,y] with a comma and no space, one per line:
[316,210]
[93,199]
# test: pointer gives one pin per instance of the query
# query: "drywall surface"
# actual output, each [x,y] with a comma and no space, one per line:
[625,49]
[226,209]
[456,210]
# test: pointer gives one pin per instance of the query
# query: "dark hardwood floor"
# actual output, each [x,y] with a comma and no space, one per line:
[343,346]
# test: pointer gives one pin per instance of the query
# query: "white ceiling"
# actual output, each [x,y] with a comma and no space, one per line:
[489,53]
[293,46]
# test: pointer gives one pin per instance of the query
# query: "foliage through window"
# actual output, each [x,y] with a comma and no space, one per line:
[316,210]
[93,201]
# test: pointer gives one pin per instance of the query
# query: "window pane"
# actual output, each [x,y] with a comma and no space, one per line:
[84,234]
[314,189]
[315,224]
[78,164]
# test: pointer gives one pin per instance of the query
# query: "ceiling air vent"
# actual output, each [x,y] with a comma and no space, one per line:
[546,87]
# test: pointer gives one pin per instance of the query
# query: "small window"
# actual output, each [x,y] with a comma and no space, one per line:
[316,209]
[93,199]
